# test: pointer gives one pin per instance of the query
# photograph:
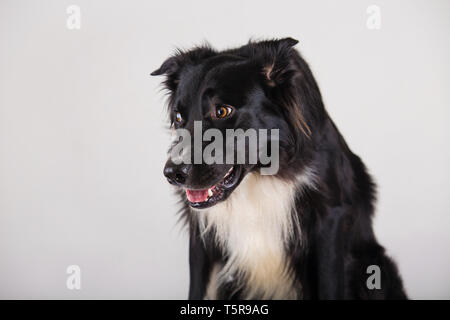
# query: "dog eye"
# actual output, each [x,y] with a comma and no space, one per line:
[223,111]
[178,117]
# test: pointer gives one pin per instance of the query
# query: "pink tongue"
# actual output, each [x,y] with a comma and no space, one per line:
[197,195]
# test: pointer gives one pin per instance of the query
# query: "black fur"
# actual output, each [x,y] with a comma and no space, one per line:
[271,86]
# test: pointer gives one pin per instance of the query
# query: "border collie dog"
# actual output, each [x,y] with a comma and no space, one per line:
[302,233]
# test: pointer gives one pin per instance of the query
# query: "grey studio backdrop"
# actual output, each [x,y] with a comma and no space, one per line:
[83,140]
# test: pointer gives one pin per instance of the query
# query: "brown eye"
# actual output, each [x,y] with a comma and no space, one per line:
[223,111]
[178,117]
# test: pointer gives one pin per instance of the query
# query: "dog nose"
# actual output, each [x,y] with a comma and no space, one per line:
[176,174]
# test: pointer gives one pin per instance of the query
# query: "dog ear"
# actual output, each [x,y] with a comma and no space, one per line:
[170,66]
[173,66]
[277,61]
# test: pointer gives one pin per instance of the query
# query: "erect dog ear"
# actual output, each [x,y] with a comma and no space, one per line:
[277,64]
[173,66]
[280,71]
[277,67]
[170,66]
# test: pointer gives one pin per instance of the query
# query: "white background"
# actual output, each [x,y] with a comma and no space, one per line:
[83,139]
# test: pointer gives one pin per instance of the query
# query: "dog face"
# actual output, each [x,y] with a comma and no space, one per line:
[246,88]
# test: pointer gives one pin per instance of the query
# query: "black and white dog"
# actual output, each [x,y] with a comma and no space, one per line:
[302,233]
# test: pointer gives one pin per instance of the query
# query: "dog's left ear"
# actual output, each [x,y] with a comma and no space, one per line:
[277,60]
[280,71]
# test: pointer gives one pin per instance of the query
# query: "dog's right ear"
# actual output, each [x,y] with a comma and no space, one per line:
[170,66]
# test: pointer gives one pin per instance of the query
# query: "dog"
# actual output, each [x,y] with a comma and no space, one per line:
[302,233]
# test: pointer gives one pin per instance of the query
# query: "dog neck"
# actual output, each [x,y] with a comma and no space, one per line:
[253,228]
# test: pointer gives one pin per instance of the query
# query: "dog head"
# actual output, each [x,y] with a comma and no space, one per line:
[261,86]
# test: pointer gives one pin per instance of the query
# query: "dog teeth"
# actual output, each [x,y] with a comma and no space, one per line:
[210,193]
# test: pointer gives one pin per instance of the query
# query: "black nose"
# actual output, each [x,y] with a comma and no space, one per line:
[176,174]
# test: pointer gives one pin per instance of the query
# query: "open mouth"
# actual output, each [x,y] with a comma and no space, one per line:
[205,198]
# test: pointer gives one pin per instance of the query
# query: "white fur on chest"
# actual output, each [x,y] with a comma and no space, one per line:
[253,226]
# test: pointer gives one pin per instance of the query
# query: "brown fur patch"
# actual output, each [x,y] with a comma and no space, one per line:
[299,121]
[290,103]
